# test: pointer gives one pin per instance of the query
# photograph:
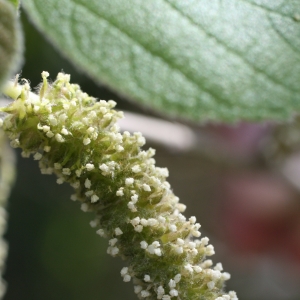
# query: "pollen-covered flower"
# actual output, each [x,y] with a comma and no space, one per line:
[77,138]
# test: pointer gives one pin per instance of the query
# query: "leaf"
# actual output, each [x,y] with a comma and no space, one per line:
[10,41]
[198,59]
[16,3]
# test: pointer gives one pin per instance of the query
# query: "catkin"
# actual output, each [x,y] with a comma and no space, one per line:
[77,138]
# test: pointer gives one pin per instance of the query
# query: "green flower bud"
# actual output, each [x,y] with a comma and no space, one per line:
[77,138]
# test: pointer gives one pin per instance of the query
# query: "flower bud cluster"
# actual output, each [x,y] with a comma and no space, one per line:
[78,139]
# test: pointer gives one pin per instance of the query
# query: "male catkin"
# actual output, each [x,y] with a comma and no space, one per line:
[77,138]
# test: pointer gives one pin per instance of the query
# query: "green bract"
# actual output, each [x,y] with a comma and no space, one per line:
[78,139]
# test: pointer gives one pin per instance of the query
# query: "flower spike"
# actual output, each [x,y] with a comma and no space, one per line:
[77,138]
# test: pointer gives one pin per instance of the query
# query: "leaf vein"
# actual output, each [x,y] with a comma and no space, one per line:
[267,9]
[285,40]
[232,50]
[166,61]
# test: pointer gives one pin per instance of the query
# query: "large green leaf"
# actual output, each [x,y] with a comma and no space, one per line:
[197,59]
[10,41]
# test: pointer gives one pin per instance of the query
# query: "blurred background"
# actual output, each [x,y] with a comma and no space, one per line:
[250,214]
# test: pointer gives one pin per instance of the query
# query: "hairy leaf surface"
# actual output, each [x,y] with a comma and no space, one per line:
[198,59]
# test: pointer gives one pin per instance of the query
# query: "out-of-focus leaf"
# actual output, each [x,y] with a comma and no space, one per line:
[10,41]
[198,59]
[16,3]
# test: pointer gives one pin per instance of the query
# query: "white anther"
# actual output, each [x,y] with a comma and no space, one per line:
[129,181]
[144,244]
[152,222]
[89,193]
[218,267]
[157,252]
[198,269]
[74,197]
[138,228]
[46,128]
[192,220]
[47,148]
[177,278]
[211,285]
[194,252]
[210,250]
[161,219]
[225,276]
[90,130]
[45,74]
[173,293]
[134,198]
[120,192]
[50,134]
[204,241]
[145,294]
[135,221]
[173,228]
[60,180]
[63,117]
[112,242]
[144,222]
[131,206]
[94,223]
[127,278]
[136,169]
[196,233]
[52,120]
[64,131]
[78,172]
[119,148]
[138,289]
[101,232]
[104,168]
[191,245]
[84,207]
[59,138]
[189,268]
[179,250]
[87,183]
[160,291]
[86,141]
[37,156]
[181,217]
[118,231]
[94,198]
[146,187]
[124,271]
[114,251]
[90,167]
[172,283]
[181,207]
[66,106]
[180,242]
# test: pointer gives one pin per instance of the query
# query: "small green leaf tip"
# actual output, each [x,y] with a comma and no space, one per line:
[77,138]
